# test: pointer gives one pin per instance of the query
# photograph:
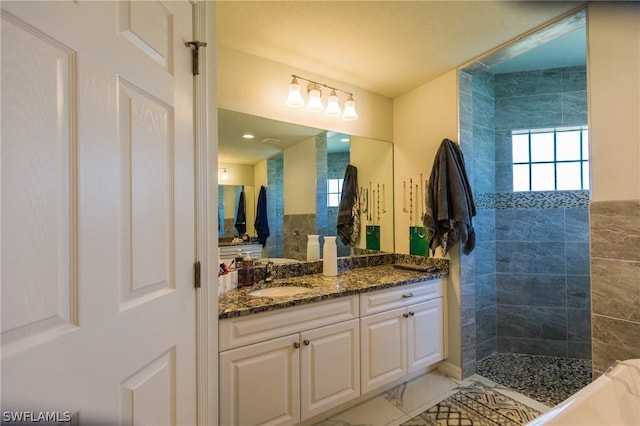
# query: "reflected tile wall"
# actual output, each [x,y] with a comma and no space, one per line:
[615,281]
[296,228]
[322,174]
[275,206]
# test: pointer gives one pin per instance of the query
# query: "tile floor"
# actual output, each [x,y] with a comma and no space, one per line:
[549,380]
[402,403]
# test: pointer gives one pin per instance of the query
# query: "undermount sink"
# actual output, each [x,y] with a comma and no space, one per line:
[289,290]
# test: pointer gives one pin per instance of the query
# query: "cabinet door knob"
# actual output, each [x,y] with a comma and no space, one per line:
[296,345]
[306,342]
[407,295]
[411,313]
[405,315]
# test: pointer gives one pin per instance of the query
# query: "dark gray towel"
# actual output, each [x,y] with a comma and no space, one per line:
[449,201]
[348,212]
[261,223]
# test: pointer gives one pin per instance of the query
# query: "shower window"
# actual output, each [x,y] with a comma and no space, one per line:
[334,191]
[550,159]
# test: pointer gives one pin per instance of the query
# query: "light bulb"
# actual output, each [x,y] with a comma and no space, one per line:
[333,107]
[349,109]
[294,100]
[315,103]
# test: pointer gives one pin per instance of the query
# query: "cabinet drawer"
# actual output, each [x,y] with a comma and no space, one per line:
[397,297]
[236,332]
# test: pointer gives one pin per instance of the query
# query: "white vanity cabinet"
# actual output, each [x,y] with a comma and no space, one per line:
[260,383]
[289,365]
[401,331]
[305,360]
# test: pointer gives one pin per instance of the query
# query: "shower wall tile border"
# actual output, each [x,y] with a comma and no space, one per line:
[532,200]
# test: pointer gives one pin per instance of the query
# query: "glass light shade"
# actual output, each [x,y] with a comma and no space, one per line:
[333,107]
[294,100]
[349,109]
[315,103]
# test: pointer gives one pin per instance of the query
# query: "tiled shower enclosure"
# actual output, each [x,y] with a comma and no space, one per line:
[525,289]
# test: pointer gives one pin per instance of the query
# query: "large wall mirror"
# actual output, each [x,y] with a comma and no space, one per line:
[301,169]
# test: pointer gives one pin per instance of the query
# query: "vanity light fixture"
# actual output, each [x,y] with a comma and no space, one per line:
[349,109]
[333,107]
[224,174]
[248,136]
[314,104]
[294,100]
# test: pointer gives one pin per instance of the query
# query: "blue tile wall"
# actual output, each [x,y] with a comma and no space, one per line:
[530,257]
[532,284]
[533,322]
[468,263]
[542,248]
[540,289]
[482,147]
[486,296]
[322,174]
[528,83]
[485,257]
[275,206]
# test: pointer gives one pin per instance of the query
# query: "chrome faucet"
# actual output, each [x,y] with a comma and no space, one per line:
[268,276]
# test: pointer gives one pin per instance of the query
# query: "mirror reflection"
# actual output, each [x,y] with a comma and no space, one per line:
[228,205]
[302,170]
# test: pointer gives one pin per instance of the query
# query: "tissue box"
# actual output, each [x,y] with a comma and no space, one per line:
[227,282]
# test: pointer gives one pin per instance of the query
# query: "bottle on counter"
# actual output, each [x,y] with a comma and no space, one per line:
[247,271]
[313,247]
[330,257]
[238,260]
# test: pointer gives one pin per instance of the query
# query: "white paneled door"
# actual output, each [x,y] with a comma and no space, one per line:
[97,199]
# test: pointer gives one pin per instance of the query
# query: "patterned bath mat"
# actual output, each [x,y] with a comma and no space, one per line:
[476,405]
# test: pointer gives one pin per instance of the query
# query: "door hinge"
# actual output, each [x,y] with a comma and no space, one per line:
[196,274]
[195,49]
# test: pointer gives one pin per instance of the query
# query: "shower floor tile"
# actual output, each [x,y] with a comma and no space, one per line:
[548,380]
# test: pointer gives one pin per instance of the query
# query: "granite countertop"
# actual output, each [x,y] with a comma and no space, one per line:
[238,302]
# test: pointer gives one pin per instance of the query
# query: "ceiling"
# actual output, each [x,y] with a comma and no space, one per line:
[269,137]
[386,47]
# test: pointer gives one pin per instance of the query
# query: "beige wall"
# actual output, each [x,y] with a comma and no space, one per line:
[421,119]
[374,161]
[239,174]
[614,100]
[300,178]
[260,175]
[258,86]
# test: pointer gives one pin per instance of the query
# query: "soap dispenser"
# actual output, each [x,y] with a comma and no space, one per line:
[247,271]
